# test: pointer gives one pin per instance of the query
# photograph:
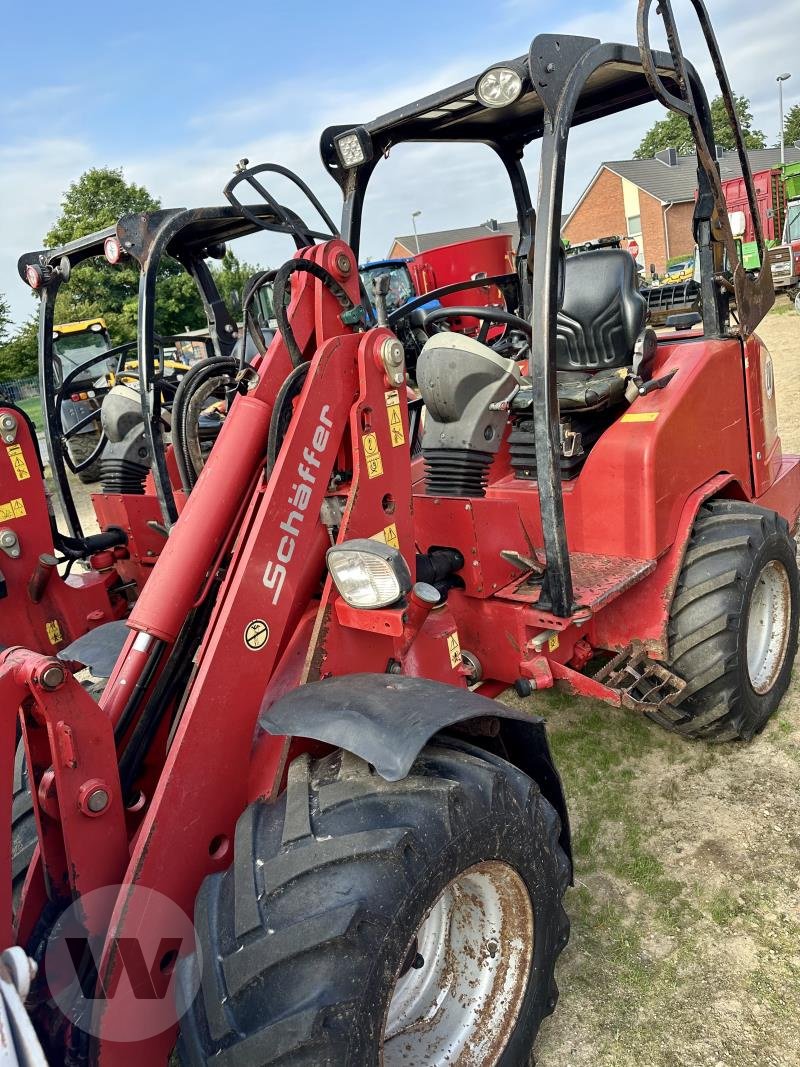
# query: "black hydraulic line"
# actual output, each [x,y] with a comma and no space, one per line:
[281,413]
[282,276]
[80,547]
[175,673]
[193,413]
[194,379]
[174,679]
[127,713]
[251,327]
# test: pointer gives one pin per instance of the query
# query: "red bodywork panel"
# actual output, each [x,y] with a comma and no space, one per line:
[276,620]
[40,609]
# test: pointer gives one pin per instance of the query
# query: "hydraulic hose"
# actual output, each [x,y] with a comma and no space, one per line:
[251,327]
[194,379]
[282,412]
[282,276]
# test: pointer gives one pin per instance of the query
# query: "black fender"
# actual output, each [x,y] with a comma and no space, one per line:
[98,649]
[388,719]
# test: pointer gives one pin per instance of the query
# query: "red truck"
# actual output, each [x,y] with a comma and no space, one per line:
[779,211]
[433,268]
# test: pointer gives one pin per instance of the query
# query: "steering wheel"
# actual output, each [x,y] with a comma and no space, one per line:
[487,316]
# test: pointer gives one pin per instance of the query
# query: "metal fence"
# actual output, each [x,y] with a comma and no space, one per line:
[20,388]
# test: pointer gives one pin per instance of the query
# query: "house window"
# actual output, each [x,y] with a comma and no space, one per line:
[634,225]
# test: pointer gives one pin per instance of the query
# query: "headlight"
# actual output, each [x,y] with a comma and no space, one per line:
[368,574]
[353,147]
[498,87]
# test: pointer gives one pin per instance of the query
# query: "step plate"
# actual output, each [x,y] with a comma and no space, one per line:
[596,580]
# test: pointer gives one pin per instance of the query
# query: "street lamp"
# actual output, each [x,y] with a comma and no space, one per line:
[416,214]
[780,80]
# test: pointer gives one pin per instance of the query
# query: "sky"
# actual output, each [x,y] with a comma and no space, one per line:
[176,92]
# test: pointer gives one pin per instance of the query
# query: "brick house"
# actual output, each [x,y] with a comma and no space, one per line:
[652,201]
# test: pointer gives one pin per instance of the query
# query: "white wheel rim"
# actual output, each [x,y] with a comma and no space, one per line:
[768,626]
[461,999]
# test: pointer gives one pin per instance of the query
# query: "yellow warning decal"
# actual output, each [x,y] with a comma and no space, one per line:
[395,417]
[18,462]
[388,535]
[54,635]
[640,416]
[14,509]
[454,648]
[372,454]
[552,643]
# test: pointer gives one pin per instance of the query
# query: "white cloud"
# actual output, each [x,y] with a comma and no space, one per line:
[33,175]
[451,186]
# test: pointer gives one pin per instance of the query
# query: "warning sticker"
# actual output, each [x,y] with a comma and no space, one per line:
[395,423]
[640,416]
[454,648]
[256,634]
[372,454]
[388,535]
[14,509]
[18,462]
[54,635]
[552,642]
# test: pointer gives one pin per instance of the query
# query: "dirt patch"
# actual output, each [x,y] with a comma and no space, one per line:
[685,946]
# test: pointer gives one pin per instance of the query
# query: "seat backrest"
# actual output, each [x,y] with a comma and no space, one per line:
[603,312]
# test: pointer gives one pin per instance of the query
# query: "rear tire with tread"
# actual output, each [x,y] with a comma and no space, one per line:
[303,937]
[731,543]
[81,447]
[24,835]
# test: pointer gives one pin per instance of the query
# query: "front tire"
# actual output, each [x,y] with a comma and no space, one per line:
[24,834]
[733,622]
[81,446]
[366,922]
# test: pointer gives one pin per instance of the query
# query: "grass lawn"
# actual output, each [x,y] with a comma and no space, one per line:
[32,407]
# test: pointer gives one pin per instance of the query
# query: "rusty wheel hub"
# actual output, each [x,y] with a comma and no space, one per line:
[460,998]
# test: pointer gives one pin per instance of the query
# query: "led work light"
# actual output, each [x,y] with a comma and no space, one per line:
[498,87]
[368,574]
[353,147]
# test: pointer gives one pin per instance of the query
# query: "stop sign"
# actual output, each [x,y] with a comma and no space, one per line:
[633,247]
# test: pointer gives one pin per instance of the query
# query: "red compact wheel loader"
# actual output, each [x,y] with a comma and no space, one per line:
[295,743]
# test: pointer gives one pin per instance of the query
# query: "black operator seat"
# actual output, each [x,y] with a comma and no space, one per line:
[601,320]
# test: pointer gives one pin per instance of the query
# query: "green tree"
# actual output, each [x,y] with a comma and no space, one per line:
[231,277]
[791,126]
[5,319]
[19,355]
[673,131]
[95,201]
